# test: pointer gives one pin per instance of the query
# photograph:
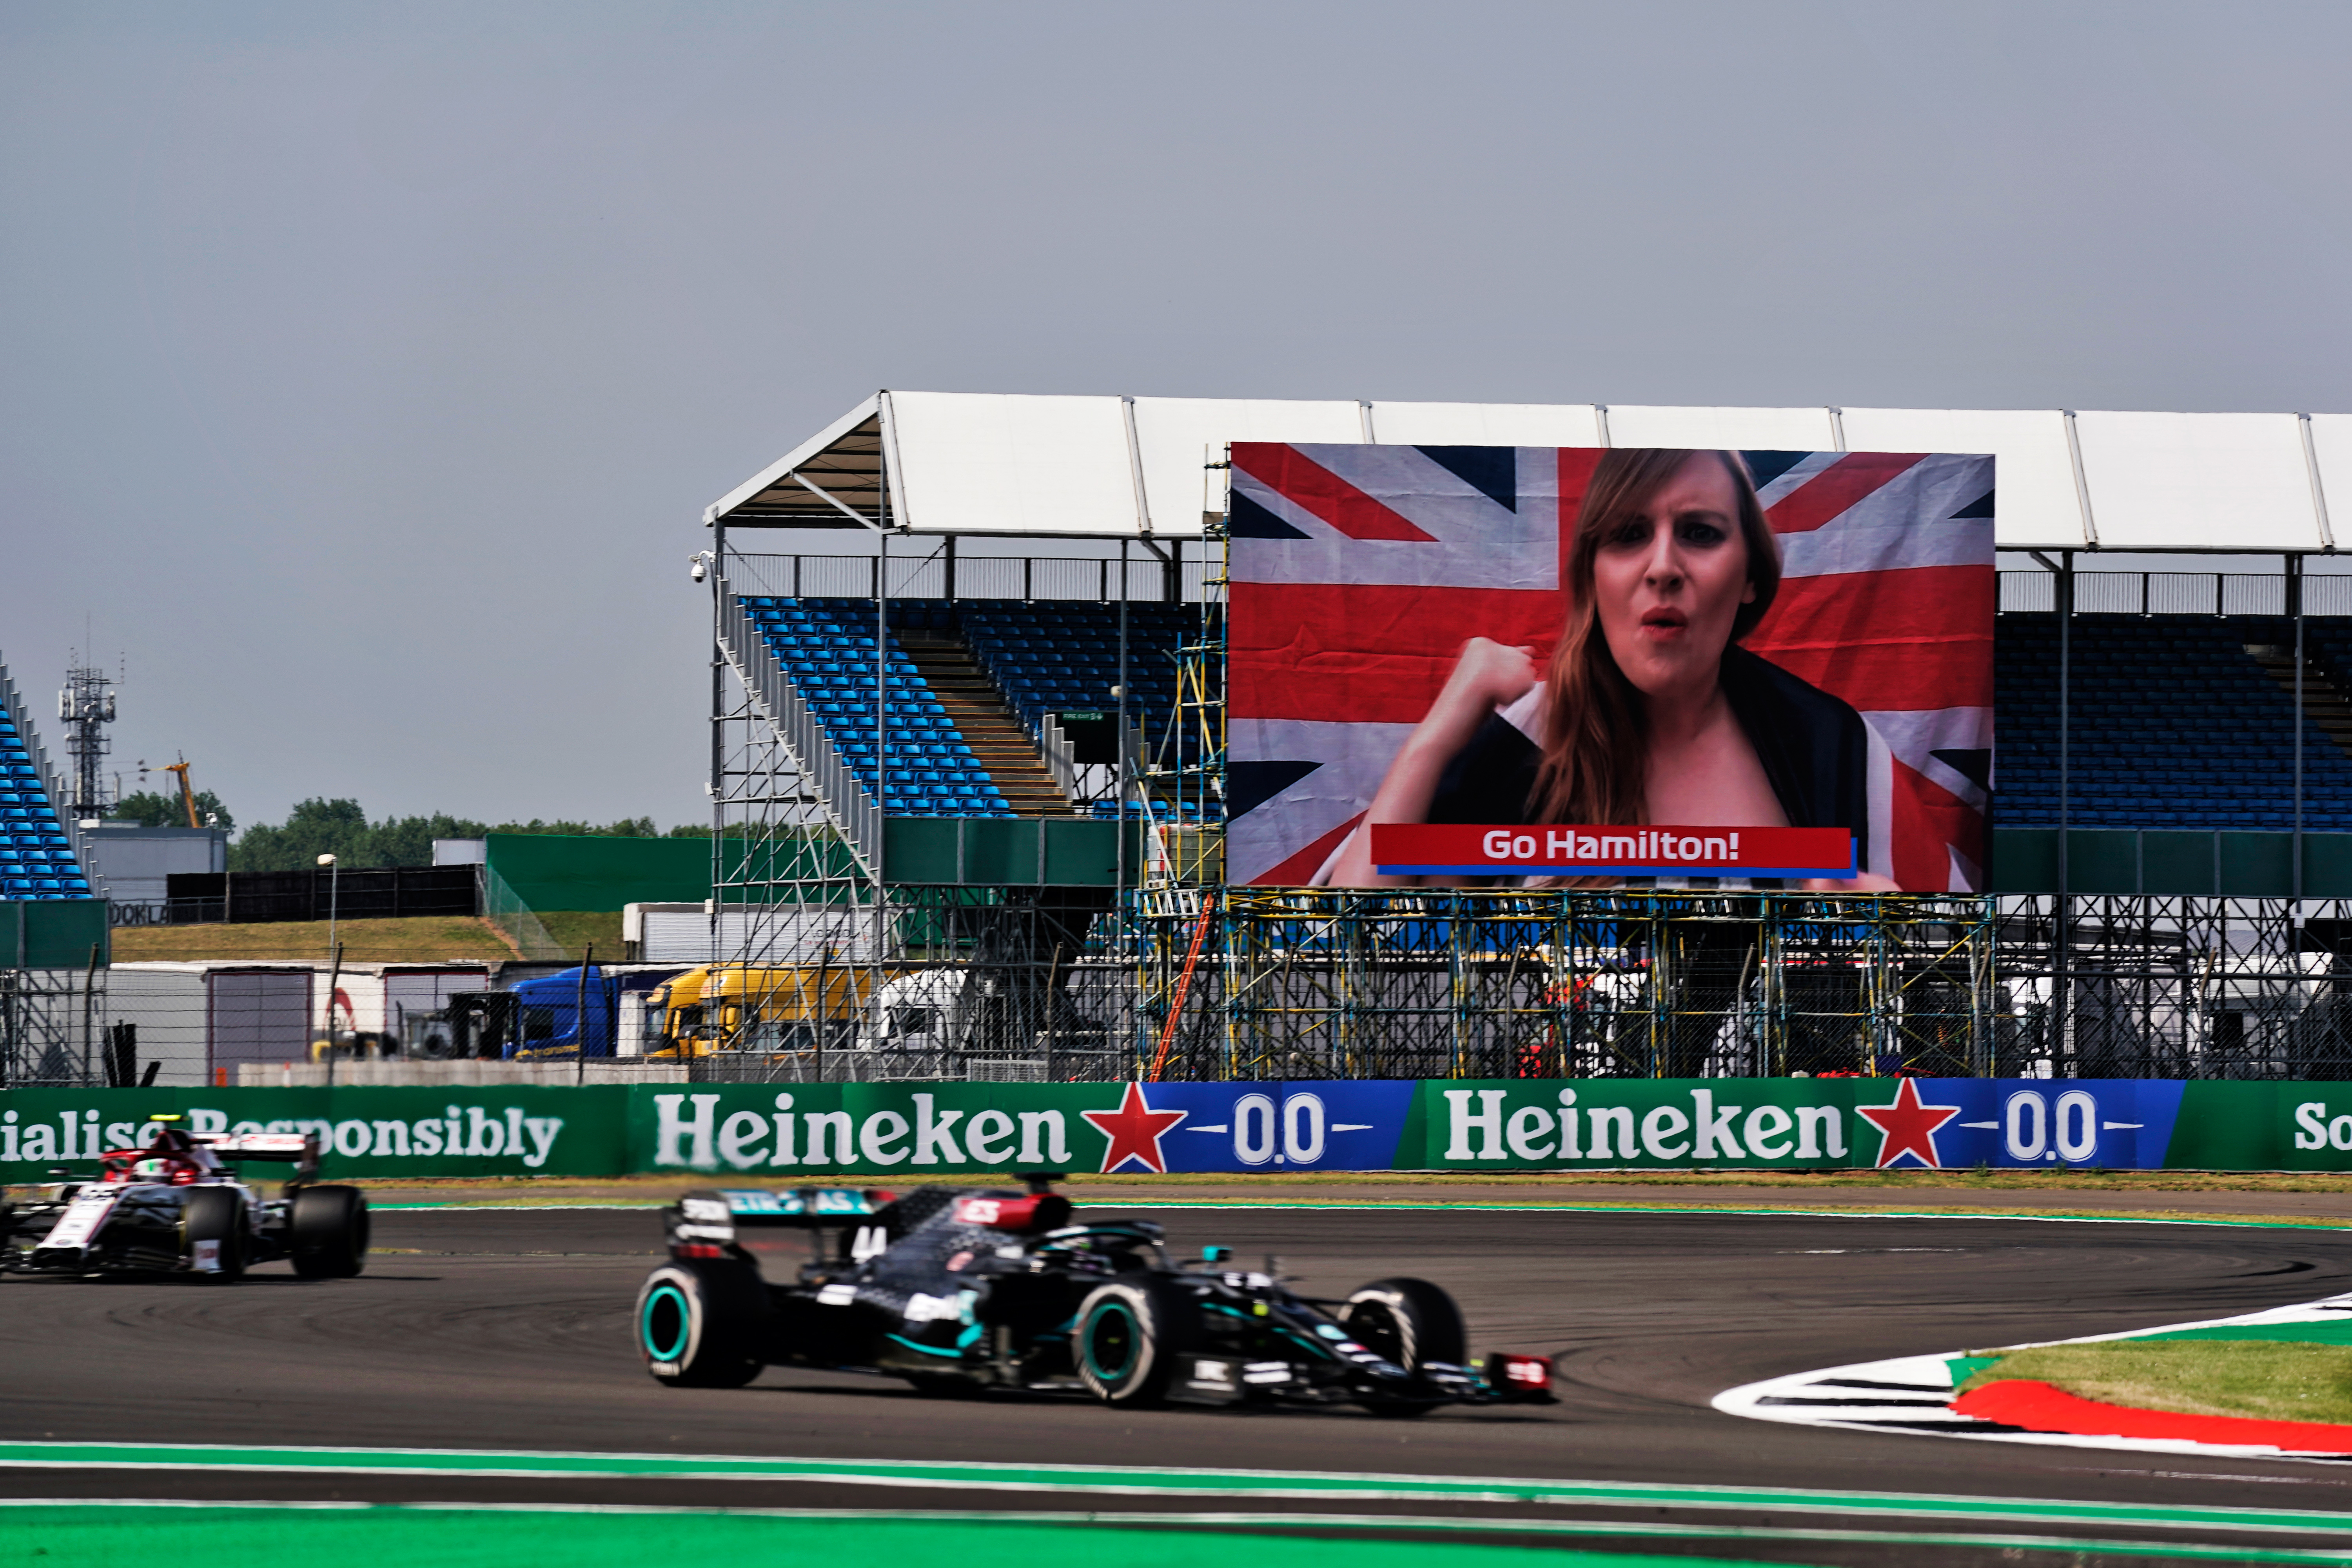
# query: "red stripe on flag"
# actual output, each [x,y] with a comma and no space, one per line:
[1835,488]
[1367,652]
[1576,467]
[1285,469]
[1917,639]
[1295,871]
[1930,822]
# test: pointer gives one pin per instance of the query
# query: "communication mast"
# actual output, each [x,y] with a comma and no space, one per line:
[86,706]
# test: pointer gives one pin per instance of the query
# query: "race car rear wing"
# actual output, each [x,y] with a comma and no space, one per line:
[299,1149]
[800,1208]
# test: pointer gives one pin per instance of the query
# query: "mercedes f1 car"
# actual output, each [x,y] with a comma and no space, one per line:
[959,1291]
[179,1205]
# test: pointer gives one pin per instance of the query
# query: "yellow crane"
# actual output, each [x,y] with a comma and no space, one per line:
[187,795]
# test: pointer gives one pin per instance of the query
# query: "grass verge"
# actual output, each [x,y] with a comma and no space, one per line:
[422,939]
[2263,1380]
[574,930]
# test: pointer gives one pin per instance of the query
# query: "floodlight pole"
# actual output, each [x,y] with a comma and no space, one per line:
[881,741]
[718,731]
[2060,981]
[334,886]
[1121,820]
[2294,607]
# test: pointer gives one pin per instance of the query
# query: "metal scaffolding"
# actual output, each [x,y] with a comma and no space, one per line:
[1171,974]
[51,1025]
[1294,983]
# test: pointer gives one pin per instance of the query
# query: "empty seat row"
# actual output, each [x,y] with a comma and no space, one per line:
[890,729]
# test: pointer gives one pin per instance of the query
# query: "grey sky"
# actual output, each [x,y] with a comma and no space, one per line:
[367,367]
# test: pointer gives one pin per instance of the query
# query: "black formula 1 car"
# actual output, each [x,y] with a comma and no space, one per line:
[178,1206]
[962,1290]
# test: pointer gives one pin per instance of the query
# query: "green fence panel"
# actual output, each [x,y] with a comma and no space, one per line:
[2263,1127]
[561,871]
[2171,861]
[499,1131]
[57,933]
[902,1133]
[922,850]
[2178,863]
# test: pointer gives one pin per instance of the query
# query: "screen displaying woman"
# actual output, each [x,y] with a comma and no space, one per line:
[1648,710]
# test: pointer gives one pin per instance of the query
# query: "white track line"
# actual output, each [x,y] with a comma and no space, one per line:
[1912,1394]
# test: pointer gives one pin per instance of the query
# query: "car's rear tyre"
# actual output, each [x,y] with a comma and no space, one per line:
[699,1324]
[215,1215]
[1407,1321]
[327,1232]
[1131,1338]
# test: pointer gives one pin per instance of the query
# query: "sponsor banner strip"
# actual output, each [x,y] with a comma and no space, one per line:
[908,1131]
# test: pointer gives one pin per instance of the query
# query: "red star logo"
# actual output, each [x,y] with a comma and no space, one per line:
[1134,1131]
[1908,1127]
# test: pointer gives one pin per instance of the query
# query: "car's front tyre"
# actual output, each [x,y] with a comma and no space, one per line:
[1409,1322]
[327,1232]
[698,1325]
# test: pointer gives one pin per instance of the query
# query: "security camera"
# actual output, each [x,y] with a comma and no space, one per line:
[699,569]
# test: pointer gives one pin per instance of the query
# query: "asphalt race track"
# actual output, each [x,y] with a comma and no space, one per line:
[509,1330]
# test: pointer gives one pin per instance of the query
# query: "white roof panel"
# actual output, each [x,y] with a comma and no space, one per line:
[984,463]
[994,463]
[1726,429]
[2035,506]
[1174,435]
[1486,423]
[2187,481]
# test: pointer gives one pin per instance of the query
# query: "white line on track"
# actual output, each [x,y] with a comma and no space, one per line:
[1905,1396]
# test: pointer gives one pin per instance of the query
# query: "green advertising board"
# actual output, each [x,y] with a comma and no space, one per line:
[905,1132]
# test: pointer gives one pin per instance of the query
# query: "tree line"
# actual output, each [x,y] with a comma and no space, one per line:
[341,828]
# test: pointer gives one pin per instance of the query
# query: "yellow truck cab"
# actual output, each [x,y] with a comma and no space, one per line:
[735,1007]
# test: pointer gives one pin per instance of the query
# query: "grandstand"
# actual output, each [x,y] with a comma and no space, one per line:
[2172,809]
[40,859]
[967,691]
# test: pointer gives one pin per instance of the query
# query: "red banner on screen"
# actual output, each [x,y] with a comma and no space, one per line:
[1432,850]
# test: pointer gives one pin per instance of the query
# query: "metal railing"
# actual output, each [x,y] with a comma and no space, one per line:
[934,577]
[2176,594]
[504,908]
[845,799]
[1059,760]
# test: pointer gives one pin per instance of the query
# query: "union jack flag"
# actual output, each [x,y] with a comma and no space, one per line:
[1358,571]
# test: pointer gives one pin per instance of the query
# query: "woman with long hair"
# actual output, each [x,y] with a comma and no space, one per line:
[1649,710]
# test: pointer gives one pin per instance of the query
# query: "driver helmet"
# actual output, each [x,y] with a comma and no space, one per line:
[156,1169]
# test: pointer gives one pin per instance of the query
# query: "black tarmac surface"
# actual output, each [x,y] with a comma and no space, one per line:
[510,1330]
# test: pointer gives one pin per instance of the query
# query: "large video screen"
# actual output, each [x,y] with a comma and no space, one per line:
[1535,666]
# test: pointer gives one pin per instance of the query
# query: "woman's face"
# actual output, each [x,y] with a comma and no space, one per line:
[1669,580]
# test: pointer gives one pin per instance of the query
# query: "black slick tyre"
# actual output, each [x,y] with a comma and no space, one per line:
[1410,1322]
[213,1220]
[699,1324]
[1131,1339]
[327,1232]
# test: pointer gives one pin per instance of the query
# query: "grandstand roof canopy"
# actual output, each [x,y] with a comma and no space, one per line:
[1108,467]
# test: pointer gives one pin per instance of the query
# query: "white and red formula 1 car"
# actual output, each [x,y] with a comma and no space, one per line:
[179,1205]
